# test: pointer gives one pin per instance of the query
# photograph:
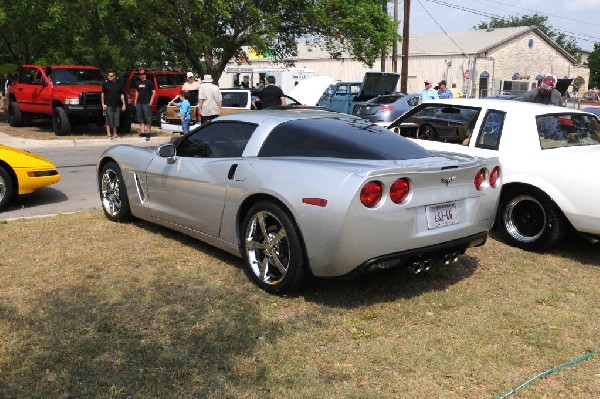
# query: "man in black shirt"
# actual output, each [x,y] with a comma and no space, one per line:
[271,95]
[144,97]
[113,101]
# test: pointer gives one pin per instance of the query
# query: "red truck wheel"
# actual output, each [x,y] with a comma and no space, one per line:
[60,122]
[15,116]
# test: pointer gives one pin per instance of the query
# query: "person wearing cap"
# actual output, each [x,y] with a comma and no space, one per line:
[444,92]
[545,93]
[429,93]
[144,96]
[191,83]
[209,100]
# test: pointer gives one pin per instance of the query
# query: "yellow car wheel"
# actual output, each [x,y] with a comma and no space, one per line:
[6,188]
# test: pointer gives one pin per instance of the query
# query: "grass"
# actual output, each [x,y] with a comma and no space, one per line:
[41,129]
[94,309]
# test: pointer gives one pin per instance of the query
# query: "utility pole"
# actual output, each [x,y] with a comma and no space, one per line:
[383,53]
[395,45]
[405,37]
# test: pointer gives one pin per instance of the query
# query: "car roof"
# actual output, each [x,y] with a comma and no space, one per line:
[283,115]
[503,105]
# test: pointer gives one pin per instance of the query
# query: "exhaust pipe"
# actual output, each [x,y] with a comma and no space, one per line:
[419,265]
[451,257]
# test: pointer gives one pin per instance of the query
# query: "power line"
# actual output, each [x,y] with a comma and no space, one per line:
[440,26]
[574,35]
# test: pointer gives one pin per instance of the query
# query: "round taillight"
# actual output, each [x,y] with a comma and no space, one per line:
[399,190]
[479,179]
[370,195]
[494,176]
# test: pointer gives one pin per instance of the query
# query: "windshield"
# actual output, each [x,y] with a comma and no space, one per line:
[169,80]
[77,76]
[568,130]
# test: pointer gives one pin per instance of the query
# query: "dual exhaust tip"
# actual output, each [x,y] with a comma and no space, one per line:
[421,265]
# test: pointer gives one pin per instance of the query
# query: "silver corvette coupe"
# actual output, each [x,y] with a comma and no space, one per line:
[303,193]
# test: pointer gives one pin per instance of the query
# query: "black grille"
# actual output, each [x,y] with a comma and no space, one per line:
[90,99]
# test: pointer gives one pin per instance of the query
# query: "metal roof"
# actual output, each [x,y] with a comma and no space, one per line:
[468,42]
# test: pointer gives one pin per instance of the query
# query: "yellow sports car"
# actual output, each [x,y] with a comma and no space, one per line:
[21,172]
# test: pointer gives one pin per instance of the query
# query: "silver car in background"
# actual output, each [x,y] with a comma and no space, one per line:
[383,110]
[301,193]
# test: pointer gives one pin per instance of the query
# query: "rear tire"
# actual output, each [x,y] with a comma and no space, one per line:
[60,122]
[528,219]
[113,194]
[15,116]
[272,249]
[6,188]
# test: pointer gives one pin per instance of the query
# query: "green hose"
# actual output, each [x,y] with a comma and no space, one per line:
[548,372]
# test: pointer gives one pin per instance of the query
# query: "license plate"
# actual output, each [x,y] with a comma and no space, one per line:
[441,215]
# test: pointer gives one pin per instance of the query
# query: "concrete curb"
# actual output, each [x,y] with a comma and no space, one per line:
[20,142]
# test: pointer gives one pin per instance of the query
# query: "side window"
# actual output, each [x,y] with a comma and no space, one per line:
[413,102]
[27,75]
[217,140]
[491,130]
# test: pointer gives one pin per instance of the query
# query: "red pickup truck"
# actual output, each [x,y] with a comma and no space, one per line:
[167,84]
[69,94]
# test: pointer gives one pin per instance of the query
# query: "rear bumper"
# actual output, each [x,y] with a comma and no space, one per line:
[436,253]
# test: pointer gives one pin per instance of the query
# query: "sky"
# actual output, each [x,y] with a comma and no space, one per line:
[579,19]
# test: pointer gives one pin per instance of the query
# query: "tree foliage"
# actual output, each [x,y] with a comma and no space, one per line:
[177,34]
[539,21]
[594,64]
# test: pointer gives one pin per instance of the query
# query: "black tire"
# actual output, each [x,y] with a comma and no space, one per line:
[161,110]
[427,132]
[60,122]
[528,219]
[6,188]
[113,193]
[125,123]
[15,116]
[275,260]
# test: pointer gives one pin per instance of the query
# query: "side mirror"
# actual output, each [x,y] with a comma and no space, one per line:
[166,151]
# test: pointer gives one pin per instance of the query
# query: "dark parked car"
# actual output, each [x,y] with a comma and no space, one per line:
[385,109]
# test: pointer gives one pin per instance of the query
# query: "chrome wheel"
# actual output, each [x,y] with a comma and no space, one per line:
[267,248]
[530,220]
[272,249]
[525,218]
[113,194]
[6,188]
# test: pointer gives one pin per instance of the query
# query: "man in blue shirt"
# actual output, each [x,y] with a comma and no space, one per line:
[444,92]
[429,93]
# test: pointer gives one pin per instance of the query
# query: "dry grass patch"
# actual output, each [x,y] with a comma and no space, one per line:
[41,129]
[94,309]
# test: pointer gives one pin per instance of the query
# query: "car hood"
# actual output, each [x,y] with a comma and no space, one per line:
[376,83]
[310,90]
[18,158]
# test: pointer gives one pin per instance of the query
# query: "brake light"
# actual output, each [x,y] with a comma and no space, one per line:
[399,190]
[386,108]
[370,195]
[480,178]
[494,176]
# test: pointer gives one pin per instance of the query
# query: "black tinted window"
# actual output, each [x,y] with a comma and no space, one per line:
[73,76]
[491,130]
[217,140]
[169,80]
[235,99]
[338,138]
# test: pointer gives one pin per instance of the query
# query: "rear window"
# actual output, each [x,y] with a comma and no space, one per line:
[338,138]
[566,130]
[385,99]
[169,80]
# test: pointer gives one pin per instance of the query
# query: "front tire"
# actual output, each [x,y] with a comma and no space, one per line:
[15,116]
[113,194]
[60,122]
[272,249]
[530,220]
[6,188]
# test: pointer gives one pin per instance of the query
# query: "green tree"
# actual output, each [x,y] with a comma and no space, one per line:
[594,65]
[539,21]
[211,33]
